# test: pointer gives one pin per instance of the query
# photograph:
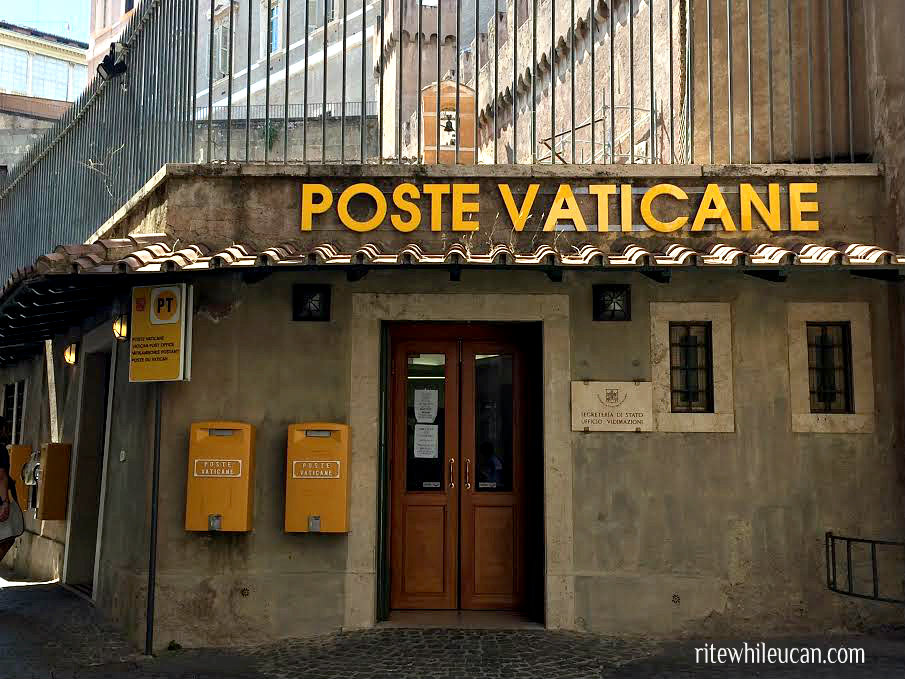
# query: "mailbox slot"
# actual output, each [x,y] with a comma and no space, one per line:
[317,478]
[220,483]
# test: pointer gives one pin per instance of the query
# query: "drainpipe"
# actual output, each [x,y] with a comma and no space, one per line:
[152,552]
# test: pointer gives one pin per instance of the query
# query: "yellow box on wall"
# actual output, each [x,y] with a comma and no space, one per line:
[219,492]
[18,456]
[317,478]
[53,486]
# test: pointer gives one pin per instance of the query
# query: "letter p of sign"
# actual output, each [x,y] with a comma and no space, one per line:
[310,207]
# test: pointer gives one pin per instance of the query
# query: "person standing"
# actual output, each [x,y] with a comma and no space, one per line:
[11,520]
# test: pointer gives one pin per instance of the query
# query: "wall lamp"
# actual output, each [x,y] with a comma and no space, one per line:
[114,64]
[121,327]
[612,302]
[70,353]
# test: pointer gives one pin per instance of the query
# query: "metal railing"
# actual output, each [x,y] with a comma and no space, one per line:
[116,136]
[257,112]
[553,81]
[895,558]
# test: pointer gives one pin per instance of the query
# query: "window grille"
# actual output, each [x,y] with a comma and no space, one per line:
[830,367]
[11,411]
[691,367]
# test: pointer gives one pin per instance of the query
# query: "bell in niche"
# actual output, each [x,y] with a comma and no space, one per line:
[448,130]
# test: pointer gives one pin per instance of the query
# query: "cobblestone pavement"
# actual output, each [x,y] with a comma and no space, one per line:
[47,632]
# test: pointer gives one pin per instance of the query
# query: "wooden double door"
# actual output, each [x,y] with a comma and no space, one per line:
[457,527]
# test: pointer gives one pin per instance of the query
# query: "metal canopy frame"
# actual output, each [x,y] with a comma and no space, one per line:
[49,305]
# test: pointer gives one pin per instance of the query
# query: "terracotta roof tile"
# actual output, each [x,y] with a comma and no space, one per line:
[159,253]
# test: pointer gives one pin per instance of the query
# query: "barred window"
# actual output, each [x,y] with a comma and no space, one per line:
[691,367]
[12,405]
[830,367]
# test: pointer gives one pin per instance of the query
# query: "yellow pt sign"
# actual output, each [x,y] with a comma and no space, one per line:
[161,333]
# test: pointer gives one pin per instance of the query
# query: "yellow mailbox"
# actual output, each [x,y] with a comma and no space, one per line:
[18,456]
[220,488]
[317,478]
[53,485]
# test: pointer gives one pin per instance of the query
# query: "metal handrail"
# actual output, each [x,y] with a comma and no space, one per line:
[832,581]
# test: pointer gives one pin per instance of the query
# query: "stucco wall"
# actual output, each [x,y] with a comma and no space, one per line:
[250,364]
[886,73]
[260,206]
[122,574]
[731,523]
[709,532]
[39,552]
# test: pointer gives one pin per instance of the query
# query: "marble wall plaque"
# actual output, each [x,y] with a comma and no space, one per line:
[611,406]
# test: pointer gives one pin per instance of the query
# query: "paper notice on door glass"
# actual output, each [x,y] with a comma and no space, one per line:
[427,441]
[426,401]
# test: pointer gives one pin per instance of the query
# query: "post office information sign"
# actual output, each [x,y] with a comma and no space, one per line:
[612,406]
[160,337]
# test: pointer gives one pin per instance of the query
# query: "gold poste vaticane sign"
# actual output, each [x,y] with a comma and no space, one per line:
[457,207]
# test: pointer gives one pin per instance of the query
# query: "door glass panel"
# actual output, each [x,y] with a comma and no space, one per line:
[493,422]
[425,391]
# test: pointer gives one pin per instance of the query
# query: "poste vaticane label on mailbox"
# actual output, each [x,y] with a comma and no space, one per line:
[315,469]
[218,468]
[611,406]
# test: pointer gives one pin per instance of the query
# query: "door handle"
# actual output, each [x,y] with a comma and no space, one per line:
[452,483]
[467,474]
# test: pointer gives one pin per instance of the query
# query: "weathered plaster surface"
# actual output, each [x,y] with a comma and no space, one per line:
[886,80]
